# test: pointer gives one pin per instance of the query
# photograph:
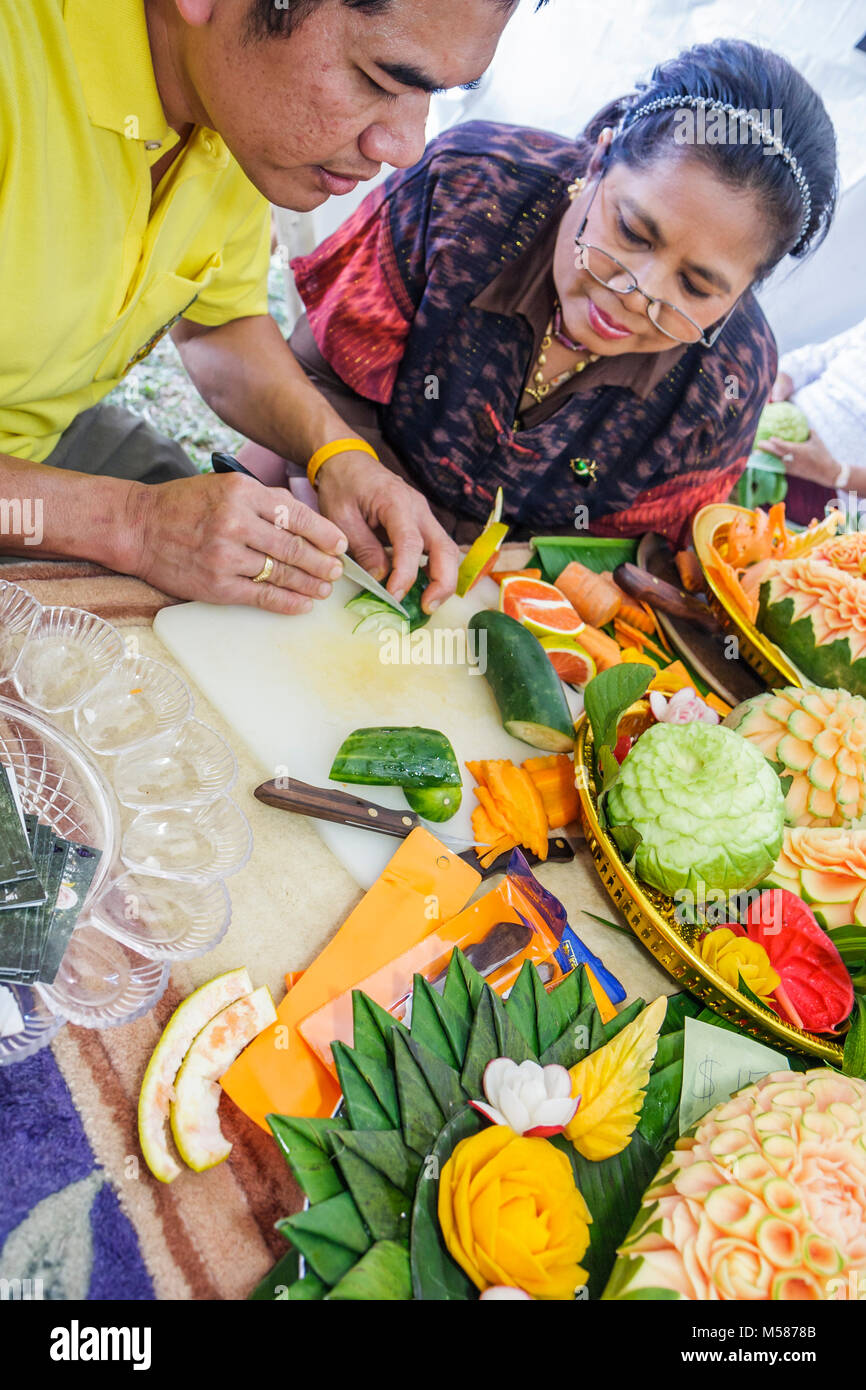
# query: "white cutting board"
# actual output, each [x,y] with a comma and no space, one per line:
[293,688]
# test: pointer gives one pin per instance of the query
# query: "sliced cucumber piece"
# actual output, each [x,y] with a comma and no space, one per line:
[397,757]
[434,803]
[383,620]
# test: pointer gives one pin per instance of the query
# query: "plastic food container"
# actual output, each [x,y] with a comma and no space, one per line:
[197,845]
[188,766]
[162,918]
[103,981]
[136,701]
[66,653]
[18,613]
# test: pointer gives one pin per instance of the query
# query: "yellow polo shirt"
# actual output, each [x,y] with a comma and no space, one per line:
[92,271]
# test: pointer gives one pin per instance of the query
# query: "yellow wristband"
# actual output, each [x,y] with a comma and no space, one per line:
[339,446]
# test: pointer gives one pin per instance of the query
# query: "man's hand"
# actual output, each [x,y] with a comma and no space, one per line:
[360,494]
[811,460]
[783,388]
[206,538]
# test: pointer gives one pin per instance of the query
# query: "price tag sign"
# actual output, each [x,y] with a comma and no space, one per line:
[716,1063]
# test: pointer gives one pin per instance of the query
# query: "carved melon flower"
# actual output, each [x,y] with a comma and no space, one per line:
[765,1199]
[529,1098]
[846,552]
[826,867]
[834,599]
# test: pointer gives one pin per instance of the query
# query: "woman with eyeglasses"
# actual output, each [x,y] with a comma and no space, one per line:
[574,322]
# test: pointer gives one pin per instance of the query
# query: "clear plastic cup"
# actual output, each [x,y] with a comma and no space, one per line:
[164,919]
[197,844]
[138,700]
[189,766]
[102,981]
[18,613]
[67,652]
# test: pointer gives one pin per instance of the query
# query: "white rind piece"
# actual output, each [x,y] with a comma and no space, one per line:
[157,1087]
[194,1109]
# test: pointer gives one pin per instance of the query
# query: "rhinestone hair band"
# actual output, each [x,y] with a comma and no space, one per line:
[767,135]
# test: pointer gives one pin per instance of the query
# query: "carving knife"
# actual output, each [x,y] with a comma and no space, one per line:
[326,803]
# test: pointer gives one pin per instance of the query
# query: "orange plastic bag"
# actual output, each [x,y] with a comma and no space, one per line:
[391,985]
[278,1072]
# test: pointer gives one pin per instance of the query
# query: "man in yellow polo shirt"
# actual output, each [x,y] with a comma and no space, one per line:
[140,144]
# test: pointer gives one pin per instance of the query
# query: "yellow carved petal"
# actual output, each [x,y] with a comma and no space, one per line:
[611,1083]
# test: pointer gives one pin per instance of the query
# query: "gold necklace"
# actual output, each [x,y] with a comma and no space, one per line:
[541,389]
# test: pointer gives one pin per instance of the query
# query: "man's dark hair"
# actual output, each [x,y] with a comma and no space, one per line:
[270,17]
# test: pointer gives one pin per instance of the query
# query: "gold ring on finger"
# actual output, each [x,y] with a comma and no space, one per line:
[266,571]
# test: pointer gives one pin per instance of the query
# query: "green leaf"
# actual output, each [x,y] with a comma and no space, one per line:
[614,926]
[750,994]
[385,1150]
[854,1055]
[613,1190]
[596,553]
[463,984]
[306,1290]
[483,1047]
[336,1220]
[437,1024]
[386,1024]
[650,1295]
[671,1048]
[380,1276]
[327,1259]
[284,1273]
[379,1076]
[305,1149]
[509,1039]
[362,1105]
[567,998]
[442,1079]
[367,1036]
[572,1045]
[609,769]
[627,841]
[661,1105]
[383,1207]
[609,695]
[435,1276]
[521,1004]
[680,1007]
[421,1115]
[850,942]
[603,1032]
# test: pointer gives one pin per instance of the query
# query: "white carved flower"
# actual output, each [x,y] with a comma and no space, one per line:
[528,1098]
[685,707]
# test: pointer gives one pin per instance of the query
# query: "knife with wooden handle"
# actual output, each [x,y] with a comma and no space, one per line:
[326,803]
[646,588]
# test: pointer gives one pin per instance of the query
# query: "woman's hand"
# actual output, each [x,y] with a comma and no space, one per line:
[206,538]
[783,388]
[359,494]
[811,460]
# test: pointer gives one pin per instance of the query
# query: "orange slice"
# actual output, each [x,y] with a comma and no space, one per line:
[539,607]
[570,662]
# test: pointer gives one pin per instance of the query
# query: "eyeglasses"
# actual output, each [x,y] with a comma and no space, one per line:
[666,317]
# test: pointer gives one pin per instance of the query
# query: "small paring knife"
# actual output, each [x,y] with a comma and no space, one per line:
[325,803]
[227,463]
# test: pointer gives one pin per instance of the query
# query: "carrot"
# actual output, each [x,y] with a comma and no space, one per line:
[690,572]
[554,779]
[635,635]
[637,614]
[491,855]
[718,705]
[499,575]
[603,650]
[727,578]
[510,807]
[638,655]
[595,596]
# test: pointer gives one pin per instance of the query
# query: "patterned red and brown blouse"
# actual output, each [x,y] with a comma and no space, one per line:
[431,301]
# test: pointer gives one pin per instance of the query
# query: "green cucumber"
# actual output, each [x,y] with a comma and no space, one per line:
[397,757]
[434,803]
[529,693]
[368,606]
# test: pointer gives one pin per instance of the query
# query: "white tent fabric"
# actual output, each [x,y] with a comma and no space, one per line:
[555,68]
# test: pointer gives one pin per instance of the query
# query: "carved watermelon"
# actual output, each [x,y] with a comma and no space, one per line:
[816,612]
[764,1199]
[816,740]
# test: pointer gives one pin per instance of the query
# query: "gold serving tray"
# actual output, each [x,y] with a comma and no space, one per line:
[770,662]
[651,916]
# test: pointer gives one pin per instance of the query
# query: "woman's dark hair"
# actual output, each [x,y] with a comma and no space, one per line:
[751,79]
